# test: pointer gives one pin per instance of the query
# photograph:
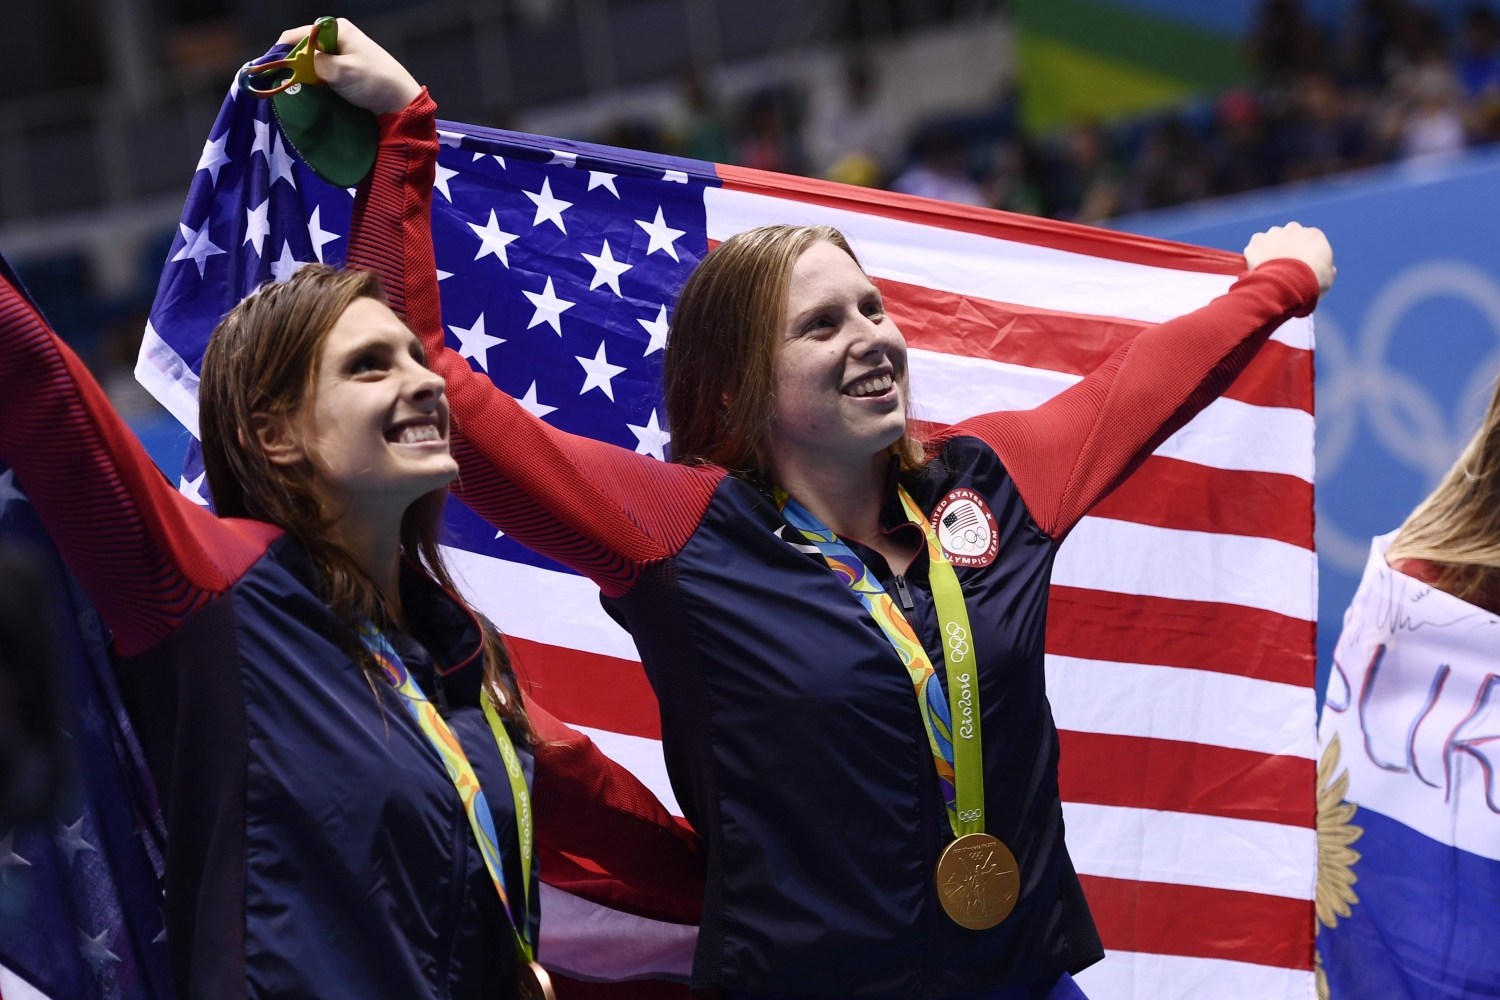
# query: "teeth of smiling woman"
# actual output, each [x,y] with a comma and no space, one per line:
[870,386]
[418,433]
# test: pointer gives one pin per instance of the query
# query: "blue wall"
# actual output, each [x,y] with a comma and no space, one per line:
[1408,340]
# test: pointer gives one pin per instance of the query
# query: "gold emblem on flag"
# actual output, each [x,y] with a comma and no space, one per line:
[978,881]
[1334,893]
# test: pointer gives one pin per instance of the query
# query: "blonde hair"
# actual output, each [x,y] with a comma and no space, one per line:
[719,371]
[1459,524]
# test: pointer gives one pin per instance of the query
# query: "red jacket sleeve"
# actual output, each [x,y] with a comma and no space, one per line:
[596,507]
[146,555]
[1067,454]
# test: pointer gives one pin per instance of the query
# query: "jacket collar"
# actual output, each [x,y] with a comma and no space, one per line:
[446,629]
[892,513]
[446,639]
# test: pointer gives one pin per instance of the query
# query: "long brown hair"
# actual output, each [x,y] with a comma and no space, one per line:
[720,364]
[1459,524]
[263,359]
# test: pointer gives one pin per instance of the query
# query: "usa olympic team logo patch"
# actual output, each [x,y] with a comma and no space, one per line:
[966,529]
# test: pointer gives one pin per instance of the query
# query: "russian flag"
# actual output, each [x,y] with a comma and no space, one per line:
[1408,894]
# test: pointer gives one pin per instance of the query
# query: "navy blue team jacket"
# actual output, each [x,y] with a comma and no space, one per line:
[316,845]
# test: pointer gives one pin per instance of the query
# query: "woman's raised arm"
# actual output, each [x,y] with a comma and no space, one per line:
[1067,454]
[146,555]
[596,507]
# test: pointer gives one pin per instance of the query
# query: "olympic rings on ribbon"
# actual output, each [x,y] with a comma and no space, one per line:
[958,642]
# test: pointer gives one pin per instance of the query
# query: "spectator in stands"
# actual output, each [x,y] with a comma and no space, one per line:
[1237,150]
[849,137]
[1368,51]
[1432,126]
[767,138]
[698,128]
[1478,64]
[941,170]
[1423,97]
[1320,136]
[1015,182]
[636,133]
[1285,42]
[1170,169]
[1478,69]
[1089,184]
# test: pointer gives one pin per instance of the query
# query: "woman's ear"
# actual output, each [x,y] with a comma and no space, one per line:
[277,438]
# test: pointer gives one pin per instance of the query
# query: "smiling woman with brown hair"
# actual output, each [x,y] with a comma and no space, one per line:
[722,389]
[340,746]
[278,662]
[292,369]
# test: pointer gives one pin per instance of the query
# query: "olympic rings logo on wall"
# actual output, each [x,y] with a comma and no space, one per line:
[1359,388]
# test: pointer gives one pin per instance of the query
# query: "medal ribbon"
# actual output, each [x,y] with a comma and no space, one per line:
[466,781]
[959,762]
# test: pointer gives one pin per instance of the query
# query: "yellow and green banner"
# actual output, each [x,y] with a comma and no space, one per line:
[1089,60]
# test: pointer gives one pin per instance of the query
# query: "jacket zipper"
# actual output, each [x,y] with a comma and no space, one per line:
[904,594]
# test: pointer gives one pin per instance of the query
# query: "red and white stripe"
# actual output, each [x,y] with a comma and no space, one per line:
[1180,645]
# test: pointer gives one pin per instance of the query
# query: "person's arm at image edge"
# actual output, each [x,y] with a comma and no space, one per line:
[147,556]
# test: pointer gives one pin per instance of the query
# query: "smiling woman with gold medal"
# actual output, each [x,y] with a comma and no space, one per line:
[804,566]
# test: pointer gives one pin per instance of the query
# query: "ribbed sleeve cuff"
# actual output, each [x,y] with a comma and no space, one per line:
[415,121]
[1299,280]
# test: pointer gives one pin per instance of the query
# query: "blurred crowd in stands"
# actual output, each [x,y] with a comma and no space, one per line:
[1390,81]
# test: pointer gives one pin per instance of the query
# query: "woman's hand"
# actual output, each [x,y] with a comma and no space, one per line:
[1298,242]
[362,73]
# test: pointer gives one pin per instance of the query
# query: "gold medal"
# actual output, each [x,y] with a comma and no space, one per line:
[978,881]
[535,984]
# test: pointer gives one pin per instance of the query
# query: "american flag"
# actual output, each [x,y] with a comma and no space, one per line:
[80,896]
[1180,646]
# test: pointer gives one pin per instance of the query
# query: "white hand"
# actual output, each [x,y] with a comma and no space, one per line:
[362,73]
[1298,242]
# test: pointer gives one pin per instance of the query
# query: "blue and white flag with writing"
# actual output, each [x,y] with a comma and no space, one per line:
[1409,799]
